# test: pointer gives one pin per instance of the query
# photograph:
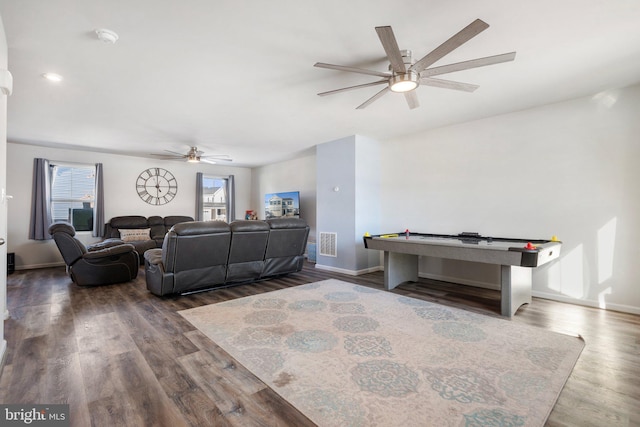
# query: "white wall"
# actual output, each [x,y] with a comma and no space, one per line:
[368,202]
[121,198]
[3,205]
[292,175]
[568,169]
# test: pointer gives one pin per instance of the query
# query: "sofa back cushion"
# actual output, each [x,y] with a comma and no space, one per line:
[196,253]
[70,248]
[286,246]
[156,224]
[171,220]
[248,246]
[112,228]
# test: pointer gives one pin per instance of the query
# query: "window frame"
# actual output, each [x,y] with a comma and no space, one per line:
[213,206]
[53,165]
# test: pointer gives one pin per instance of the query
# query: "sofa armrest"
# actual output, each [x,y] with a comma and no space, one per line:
[108,243]
[153,256]
[113,250]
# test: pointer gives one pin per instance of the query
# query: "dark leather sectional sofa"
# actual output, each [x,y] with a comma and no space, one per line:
[157,226]
[200,255]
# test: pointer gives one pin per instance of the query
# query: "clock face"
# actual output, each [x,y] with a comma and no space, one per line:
[156,186]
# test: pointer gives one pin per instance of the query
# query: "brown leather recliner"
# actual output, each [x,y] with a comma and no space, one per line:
[103,264]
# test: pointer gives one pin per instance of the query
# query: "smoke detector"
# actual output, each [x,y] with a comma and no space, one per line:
[107,36]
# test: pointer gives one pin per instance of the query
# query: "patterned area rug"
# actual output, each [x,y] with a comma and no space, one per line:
[348,355]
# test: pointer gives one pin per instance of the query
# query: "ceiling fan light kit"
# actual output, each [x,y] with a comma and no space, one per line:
[404,82]
[405,76]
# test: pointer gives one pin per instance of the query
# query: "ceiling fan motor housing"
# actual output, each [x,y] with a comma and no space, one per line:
[404,82]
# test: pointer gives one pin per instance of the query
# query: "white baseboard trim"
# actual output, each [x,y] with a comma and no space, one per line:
[348,272]
[587,303]
[35,266]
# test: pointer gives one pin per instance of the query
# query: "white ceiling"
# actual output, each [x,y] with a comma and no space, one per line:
[237,77]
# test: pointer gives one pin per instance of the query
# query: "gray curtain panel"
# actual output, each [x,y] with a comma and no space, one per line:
[98,209]
[231,198]
[40,209]
[199,201]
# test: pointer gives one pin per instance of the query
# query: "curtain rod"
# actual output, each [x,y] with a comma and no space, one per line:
[60,162]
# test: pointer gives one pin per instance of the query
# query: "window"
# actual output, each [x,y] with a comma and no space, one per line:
[214,198]
[73,191]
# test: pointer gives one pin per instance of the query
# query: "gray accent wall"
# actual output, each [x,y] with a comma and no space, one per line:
[348,201]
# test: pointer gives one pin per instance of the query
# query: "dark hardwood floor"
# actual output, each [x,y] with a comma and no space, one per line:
[120,356]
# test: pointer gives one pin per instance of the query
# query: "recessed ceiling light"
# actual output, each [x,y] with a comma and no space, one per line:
[107,36]
[52,77]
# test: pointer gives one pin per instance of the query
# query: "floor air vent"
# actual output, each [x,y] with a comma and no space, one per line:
[328,244]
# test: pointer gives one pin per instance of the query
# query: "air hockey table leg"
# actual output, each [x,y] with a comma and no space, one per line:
[515,285]
[399,268]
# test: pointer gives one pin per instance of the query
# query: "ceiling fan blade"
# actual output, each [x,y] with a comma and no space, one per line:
[167,156]
[344,89]
[412,99]
[373,98]
[210,161]
[390,46]
[465,65]
[351,69]
[177,154]
[216,159]
[457,40]
[448,84]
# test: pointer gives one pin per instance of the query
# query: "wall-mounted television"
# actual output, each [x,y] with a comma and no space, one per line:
[278,205]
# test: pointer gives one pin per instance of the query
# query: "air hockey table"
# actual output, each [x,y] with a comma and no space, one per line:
[516,258]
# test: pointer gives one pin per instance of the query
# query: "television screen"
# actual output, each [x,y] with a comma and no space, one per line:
[277,205]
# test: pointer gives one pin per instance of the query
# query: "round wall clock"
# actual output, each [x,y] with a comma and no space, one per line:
[156,186]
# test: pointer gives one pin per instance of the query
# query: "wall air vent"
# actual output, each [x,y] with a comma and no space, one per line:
[328,244]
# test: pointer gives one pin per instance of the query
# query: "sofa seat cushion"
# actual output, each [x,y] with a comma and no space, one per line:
[143,246]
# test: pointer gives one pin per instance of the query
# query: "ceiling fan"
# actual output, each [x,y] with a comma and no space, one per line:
[194,156]
[405,75]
